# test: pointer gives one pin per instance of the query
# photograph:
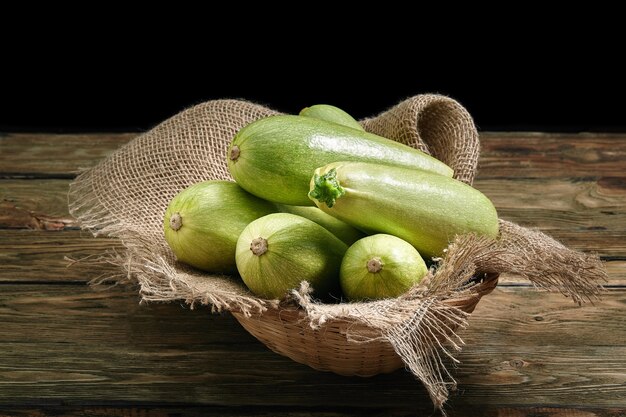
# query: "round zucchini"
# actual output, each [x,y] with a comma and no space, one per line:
[425,209]
[203,221]
[331,114]
[380,266]
[274,157]
[275,253]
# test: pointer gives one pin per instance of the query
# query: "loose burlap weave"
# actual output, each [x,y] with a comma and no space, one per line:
[126,195]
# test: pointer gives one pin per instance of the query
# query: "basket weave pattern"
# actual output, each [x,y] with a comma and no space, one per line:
[286,331]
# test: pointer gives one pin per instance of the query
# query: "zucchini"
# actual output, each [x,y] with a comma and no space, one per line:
[275,253]
[380,266]
[331,114]
[425,209]
[342,230]
[203,221]
[274,157]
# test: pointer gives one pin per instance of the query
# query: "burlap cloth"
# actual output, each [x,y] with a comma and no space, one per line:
[126,195]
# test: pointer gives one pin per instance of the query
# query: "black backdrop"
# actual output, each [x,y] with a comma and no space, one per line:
[90,108]
[112,69]
[129,103]
[58,90]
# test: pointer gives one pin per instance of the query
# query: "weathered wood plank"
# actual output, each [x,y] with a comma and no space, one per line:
[104,345]
[73,344]
[35,204]
[119,410]
[36,256]
[70,345]
[48,155]
[549,155]
[546,204]
[45,196]
[616,270]
[511,155]
[607,243]
[587,215]
[33,255]
[584,214]
[565,203]
[30,255]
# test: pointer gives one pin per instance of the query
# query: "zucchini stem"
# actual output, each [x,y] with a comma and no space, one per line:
[176,221]
[234,153]
[326,188]
[374,265]
[258,246]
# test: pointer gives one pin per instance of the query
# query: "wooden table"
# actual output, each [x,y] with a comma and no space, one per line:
[68,349]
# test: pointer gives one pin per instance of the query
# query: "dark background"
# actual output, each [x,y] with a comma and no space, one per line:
[131,104]
[564,81]
[128,100]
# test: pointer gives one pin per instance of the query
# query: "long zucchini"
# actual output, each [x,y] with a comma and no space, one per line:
[425,209]
[342,230]
[274,158]
[331,114]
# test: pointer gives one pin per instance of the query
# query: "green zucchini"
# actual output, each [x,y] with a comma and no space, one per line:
[342,230]
[275,253]
[425,209]
[380,266]
[331,114]
[203,221]
[274,157]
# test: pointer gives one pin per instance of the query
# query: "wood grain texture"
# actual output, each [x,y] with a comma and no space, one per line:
[548,155]
[35,204]
[584,214]
[503,155]
[34,255]
[99,345]
[130,410]
[46,155]
[69,350]
[571,203]
[30,255]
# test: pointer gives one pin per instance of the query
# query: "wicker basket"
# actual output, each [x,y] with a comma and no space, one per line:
[327,348]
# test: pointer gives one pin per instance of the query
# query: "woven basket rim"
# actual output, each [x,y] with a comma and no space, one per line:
[285,330]
[485,284]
